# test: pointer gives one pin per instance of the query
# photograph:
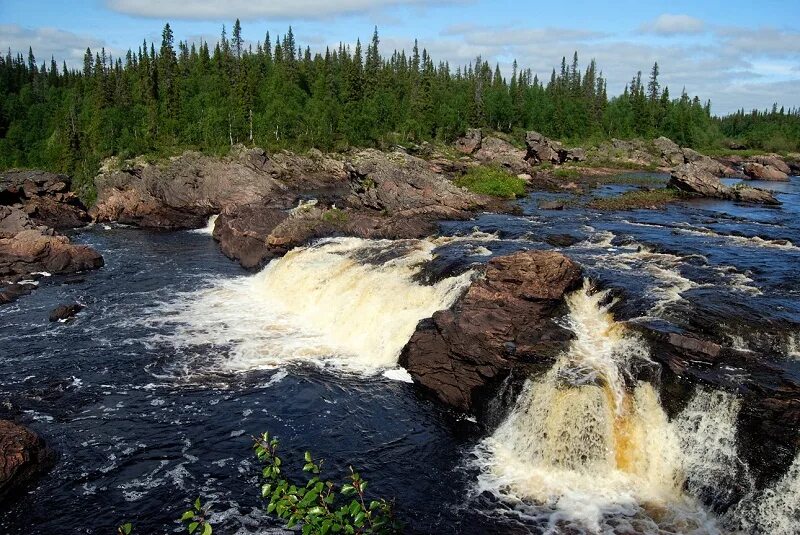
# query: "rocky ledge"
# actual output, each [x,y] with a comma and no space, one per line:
[693,179]
[23,457]
[32,205]
[505,322]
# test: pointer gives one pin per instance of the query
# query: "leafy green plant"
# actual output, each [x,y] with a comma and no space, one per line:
[492,181]
[196,519]
[319,506]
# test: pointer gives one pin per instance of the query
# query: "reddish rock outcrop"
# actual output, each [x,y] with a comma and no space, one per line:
[471,142]
[186,190]
[23,457]
[44,197]
[759,171]
[544,150]
[27,248]
[506,320]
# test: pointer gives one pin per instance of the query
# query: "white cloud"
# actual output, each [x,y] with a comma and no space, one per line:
[668,24]
[47,42]
[258,9]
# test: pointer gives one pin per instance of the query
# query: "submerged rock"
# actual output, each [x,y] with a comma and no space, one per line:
[504,321]
[23,457]
[65,312]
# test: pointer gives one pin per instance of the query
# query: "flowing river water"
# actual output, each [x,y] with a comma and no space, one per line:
[151,395]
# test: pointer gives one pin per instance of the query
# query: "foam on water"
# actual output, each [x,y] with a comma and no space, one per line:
[348,302]
[209,228]
[587,450]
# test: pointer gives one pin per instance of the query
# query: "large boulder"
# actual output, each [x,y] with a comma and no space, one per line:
[506,320]
[45,198]
[773,160]
[184,191]
[393,182]
[23,457]
[27,249]
[542,149]
[707,163]
[759,171]
[670,151]
[471,142]
[692,178]
[242,232]
[501,153]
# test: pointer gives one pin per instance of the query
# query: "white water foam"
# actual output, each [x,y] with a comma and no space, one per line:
[348,302]
[209,228]
[774,510]
[581,452]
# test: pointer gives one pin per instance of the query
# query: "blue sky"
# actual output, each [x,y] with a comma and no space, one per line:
[737,53]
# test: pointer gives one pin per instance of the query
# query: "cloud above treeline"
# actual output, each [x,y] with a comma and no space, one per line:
[258,9]
[668,24]
[62,45]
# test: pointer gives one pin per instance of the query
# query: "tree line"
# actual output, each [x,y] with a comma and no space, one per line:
[162,99]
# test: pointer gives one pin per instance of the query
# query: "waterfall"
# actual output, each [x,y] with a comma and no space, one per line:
[209,228]
[586,449]
[348,302]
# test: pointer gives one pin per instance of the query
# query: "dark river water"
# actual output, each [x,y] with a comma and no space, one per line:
[142,424]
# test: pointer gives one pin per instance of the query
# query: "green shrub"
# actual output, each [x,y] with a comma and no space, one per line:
[492,181]
[334,215]
[320,507]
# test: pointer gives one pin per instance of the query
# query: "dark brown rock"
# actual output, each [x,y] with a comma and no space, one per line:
[65,312]
[242,232]
[23,457]
[44,197]
[506,320]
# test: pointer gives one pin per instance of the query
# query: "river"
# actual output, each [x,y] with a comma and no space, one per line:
[151,394]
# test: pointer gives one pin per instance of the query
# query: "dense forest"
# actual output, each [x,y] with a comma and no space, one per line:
[159,100]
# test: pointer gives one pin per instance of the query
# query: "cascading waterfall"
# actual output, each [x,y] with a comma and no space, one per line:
[349,302]
[583,450]
[209,228]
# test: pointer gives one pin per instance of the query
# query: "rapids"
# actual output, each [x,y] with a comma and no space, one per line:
[151,393]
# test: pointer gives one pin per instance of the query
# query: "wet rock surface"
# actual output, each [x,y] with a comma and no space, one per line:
[65,312]
[692,178]
[505,321]
[23,458]
[27,249]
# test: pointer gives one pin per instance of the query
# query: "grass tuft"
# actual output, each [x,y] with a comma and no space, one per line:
[492,181]
[631,200]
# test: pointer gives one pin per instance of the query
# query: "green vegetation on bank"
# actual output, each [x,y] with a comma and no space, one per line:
[487,180]
[159,100]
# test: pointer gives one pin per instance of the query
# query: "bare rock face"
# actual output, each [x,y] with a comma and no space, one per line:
[692,178]
[44,197]
[759,171]
[393,182]
[773,160]
[501,153]
[23,457]
[544,150]
[506,320]
[670,151]
[707,164]
[471,142]
[27,248]
[186,190]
